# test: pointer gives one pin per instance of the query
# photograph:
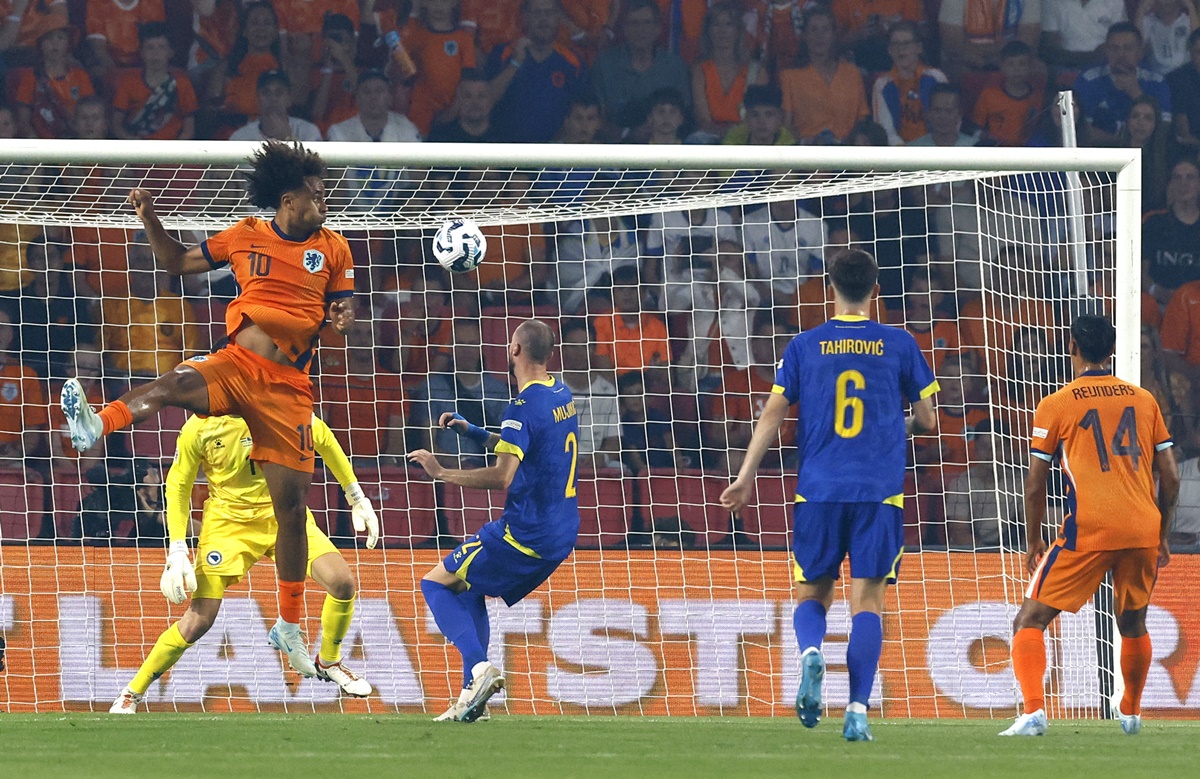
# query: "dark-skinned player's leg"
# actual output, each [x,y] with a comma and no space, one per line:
[182,387]
[289,489]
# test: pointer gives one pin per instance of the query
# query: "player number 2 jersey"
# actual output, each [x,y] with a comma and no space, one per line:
[1104,433]
[541,512]
[286,284]
[851,378]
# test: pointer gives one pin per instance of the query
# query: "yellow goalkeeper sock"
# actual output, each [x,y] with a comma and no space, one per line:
[166,652]
[335,623]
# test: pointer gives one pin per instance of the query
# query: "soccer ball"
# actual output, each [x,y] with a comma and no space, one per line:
[459,245]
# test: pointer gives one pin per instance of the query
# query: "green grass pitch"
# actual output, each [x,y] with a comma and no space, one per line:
[269,745]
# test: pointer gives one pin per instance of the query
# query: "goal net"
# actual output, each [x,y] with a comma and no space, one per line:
[674,277]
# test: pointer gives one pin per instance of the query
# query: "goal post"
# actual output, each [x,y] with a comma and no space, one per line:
[670,606]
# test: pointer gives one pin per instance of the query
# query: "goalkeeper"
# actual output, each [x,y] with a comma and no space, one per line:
[239,529]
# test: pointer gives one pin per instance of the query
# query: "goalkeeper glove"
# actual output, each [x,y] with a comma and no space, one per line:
[362,513]
[473,432]
[180,577]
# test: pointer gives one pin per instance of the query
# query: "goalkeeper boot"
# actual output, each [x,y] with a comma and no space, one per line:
[486,681]
[1033,724]
[85,426]
[808,697]
[288,639]
[126,703]
[855,728]
[350,682]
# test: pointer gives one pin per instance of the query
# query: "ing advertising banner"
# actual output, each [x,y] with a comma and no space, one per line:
[640,633]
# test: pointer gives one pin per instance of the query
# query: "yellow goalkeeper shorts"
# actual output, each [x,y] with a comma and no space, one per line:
[230,547]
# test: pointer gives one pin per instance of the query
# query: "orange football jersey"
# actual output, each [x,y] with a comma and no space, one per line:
[1105,432]
[286,285]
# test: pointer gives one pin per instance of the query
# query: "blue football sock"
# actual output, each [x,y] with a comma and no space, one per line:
[862,654]
[476,605]
[455,620]
[809,622]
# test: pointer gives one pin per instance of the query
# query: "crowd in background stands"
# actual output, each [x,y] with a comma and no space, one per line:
[662,309]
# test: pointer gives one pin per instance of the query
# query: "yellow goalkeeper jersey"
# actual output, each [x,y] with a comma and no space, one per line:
[237,489]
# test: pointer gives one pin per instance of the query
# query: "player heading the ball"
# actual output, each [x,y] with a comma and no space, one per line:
[537,453]
[239,530]
[293,273]
[1095,428]
[851,378]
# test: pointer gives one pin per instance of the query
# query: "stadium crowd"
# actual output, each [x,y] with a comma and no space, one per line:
[671,323]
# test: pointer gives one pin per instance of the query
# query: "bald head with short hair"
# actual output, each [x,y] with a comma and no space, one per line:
[536,340]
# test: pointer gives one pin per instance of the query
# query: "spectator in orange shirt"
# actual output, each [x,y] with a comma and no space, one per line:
[824,97]
[442,48]
[866,27]
[47,93]
[257,50]
[24,415]
[974,33]
[725,69]
[630,339]
[112,33]
[901,96]
[776,30]
[151,331]
[1008,113]
[925,319]
[1181,331]
[335,77]
[155,101]
[302,29]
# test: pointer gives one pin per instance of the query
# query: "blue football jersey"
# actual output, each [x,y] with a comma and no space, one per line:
[851,378]
[541,512]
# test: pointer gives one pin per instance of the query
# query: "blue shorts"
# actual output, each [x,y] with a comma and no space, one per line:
[493,566]
[824,533]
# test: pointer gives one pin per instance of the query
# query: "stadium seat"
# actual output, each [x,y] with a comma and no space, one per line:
[22,504]
[768,518]
[605,504]
[155,438]
[66,494]
[692,497]
[468,510]
[405,502]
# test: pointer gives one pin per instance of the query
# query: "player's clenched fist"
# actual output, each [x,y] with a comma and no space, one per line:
[341,316]
[143,203]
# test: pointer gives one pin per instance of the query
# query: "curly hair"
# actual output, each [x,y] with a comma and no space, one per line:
[278,168]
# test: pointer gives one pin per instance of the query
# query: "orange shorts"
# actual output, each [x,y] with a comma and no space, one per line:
[275,400]
[1065,579]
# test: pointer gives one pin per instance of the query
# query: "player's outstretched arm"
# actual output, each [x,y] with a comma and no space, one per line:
[176,258]
[493,477]
[1035,512]
[362,513]
[459,424]
[766,430]
[1168,494]
[179,577]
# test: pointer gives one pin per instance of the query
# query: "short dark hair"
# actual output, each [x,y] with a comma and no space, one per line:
[1015,48]
[667,96]
[332,22]
[762,94]
[537,339]
[278,168]
[854,274]
[625,276]
[626,381]
[1123,27]
[945,89]
[1095,337]
[583,98]
[150,30]
[639,5]
[371,74]
[272,76]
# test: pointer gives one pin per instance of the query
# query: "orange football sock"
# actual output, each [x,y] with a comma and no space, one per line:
[291,599]
[115,416]
[1029,666]
[1135,665]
